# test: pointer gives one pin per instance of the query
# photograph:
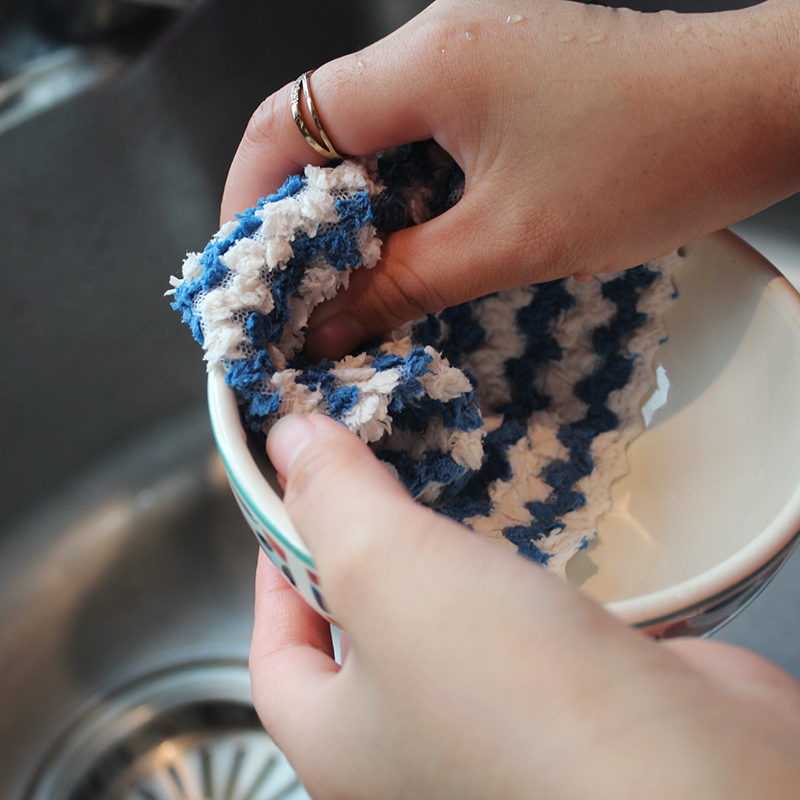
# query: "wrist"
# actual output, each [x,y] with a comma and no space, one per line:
[740,72]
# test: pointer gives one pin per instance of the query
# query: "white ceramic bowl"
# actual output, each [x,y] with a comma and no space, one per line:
[711,507]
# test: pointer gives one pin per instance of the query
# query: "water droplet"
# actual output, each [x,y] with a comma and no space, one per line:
[596,38]
[360,64]
[470,36]
[566,38]
[683,27]
[513,19]
[443,51]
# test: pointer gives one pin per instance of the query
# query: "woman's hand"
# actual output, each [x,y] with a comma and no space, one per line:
[472,673]
[591,139]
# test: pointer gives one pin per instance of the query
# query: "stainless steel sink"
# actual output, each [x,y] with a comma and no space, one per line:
[142,566]
[126,570]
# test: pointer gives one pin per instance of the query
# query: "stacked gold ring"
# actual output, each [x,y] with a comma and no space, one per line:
[324,147]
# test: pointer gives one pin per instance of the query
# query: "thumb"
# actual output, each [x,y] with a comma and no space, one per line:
[359,523]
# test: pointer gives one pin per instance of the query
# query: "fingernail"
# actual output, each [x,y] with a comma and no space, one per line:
[334,338]
[289,435]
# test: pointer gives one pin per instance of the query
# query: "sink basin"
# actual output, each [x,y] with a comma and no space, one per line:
[125,566]
[142,565]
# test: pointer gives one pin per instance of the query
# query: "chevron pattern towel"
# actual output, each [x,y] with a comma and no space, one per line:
[510,413]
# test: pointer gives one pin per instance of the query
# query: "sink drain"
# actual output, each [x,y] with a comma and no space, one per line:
[182,734]
[208,751]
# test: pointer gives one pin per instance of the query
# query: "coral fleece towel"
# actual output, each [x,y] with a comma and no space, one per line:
[510,413]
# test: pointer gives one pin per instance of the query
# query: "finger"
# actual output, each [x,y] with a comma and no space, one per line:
[367,101]
[282,619]
[475,248]
[291,655]
[359,523]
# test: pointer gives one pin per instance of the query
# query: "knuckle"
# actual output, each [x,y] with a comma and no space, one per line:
[400,294]
[444,51]
[344,69]
[262,128]
[310,477]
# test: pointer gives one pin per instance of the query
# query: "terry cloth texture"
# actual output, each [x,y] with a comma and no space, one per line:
[510,413]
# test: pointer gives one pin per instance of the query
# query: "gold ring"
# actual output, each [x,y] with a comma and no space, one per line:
[324,148]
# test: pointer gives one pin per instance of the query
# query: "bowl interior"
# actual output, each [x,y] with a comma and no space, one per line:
[712,492]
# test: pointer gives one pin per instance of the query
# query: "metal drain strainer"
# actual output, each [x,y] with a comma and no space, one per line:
[181,734]
[233,766]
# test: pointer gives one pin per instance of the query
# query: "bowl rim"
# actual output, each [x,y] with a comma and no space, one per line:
[242,470]
[694,593]
[708,586]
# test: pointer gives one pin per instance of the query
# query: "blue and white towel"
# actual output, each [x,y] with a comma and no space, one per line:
[510,413]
